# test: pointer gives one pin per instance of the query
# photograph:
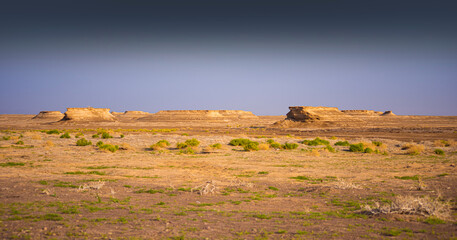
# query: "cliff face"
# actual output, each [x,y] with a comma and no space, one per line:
[189,115]
[51,115]
[88,114]
[313,114]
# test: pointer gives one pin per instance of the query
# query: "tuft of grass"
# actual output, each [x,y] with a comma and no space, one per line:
[341,143]
[65,135]
[317,141]
[192,142]
[187,150]
[239,142]
[439,151]
[83,142]
[20,142]
[251,146]
[108,147]
[86,173]
[51,217]
[330,149]
[434,220]
[264,146]
[53,131]
[106,135]
[356,147]
[368,150]
[413,149]
[122,136]
[376,143]
[6,138]
[289,146]
[216,146]
[273,144]
[415,177]
[160,145]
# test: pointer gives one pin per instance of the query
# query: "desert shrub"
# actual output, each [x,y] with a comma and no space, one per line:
[106,135]
[181,145]
[187,150]
[53,131]
[377,144]
[83,142]
[49,144]
[413,149]
[289,146]
[192,142]
[330,148]
[251,146]
[317,141]
[65,135]
[79,135]
[442,143]
[126,146]
[356,147]
[216,146]
[368,150]
[341,143]
[95,136]
[122,136]
[6,137]
[274,144]
[160,144]
[239,142]
[109,147]
[439,151]
[264,146]
[99,143]
[19,142]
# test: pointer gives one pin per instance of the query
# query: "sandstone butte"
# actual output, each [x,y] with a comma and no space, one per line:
[49,115]
[88,114]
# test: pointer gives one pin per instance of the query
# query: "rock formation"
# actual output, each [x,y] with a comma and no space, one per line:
[51,115]
[362,112]
[136,113]
[88,114]
[388,113]
[189,115]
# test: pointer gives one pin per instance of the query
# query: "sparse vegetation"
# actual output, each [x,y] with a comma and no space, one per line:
[289,146]
[65,135]
[356,147]
[317,141]
[439,151]
[20,142]
[413,149]
[342,143]
[106,135]
[160,145]
[83,142]
[53,131]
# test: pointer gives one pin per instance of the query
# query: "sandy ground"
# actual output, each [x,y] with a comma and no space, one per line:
[51,188]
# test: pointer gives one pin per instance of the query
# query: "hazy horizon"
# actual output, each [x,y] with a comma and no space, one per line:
[231,55]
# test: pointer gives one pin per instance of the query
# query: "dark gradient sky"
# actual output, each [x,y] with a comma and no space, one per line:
[260,56]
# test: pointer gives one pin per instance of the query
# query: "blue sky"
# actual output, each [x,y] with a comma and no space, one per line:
[160,56]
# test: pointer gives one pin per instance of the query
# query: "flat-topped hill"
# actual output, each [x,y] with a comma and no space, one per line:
[88,114]
[49,115]
[189,115]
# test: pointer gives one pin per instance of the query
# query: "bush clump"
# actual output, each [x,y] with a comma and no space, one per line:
[160,144]
[53,131]
[289,146]
[439,151]
[95,136]
[216,146]
[65,135]
[251,146]
[83,142]
[317,141]
[20,142]
[368,150]
[342,143]
[413,149]
[330,149]
[109,147]
[356,147]
[192,142]
[239,142]
[274,144]
[106,135]
[377,144]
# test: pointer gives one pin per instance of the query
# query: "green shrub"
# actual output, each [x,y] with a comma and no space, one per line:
[122,136]
[83,142]
[341,143]
[53,131]
[274,144]
[239,142]
[317,141]
[289,146]
[187,150]
[356,147]
[181,145]
[330,148]
[377,144]
[160,144]
[65,135]
[368,150]
[6,137]
[95,136]
[439,151]
[216,146]
[20,142]
[251,146]
[192,142]
[109,147]
[105,135]
[99,143]
[79,135]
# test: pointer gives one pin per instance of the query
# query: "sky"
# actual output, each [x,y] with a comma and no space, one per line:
[259,56]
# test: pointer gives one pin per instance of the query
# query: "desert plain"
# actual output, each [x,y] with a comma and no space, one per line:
[313,173]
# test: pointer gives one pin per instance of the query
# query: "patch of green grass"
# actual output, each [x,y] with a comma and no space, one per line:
[53,131]
[263,173]
[415,177]
[439,151]
[85,173]
[434,220]
[106,135]
[273,188]
[289,146]
[83,142]
[341,143]
[356,147]
[12,164]
[64,184]
[261,216]
[51,217]
[65,135]
[20,142]
[317,141]
[150,191]
[43,182]
[442,174]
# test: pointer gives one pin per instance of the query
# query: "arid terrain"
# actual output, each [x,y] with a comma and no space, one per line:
[320,174]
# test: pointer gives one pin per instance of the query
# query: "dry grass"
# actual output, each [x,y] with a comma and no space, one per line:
[264,146]
[126,146]
[314,153]
[413,149]
[207,188]
[341,184]
[33,135]
[425,206]
[49,144]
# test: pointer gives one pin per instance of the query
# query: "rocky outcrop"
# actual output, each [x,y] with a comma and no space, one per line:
[136,113]
[362,112]
[190,115]
[388,113]
[51,115]
[88,114]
